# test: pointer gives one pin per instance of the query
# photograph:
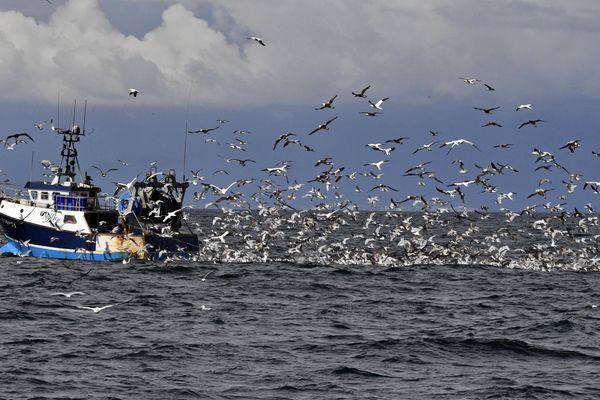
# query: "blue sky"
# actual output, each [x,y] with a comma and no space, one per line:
[193,58]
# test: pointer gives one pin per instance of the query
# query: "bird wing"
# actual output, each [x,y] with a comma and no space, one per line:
[229,187]
[331,120]
[279,139]
[17,135]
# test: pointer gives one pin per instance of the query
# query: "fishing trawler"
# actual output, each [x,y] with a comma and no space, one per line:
[64,218]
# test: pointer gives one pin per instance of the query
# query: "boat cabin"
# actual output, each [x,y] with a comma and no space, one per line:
[70,197]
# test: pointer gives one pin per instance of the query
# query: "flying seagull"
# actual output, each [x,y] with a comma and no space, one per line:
[458,142]
[40,125]
[492,123]
[533,122]
[206,275]
[378,104]
[524,106]
[205,130]
[470,81]
[397,140]
[285,137]
[327,104]
[539,192]
[134,92]
[572,145]
[427,146]
[104,173]
[16,136]
[324,126]
[67,294]
[487,110]
[361,93]
[257,39]
[369,113]
[98,309]
[377,164]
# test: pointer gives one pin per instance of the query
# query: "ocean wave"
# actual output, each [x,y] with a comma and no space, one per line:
[477,346]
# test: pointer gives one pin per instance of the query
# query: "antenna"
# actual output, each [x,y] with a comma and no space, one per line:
[84,115]
[31,167]
[74,107]
[58,109]
[185,147]
[187,112]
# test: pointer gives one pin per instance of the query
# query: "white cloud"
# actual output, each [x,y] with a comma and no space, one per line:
[409,50]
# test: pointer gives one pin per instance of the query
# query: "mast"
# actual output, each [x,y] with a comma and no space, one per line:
[69,160]
[69,152]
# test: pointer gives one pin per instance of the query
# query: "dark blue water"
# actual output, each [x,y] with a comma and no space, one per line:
[303,305]
[287,331]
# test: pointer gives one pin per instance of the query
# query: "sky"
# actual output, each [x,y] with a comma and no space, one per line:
[193,63]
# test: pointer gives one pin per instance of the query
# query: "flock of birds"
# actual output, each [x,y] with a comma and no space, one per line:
[261,220]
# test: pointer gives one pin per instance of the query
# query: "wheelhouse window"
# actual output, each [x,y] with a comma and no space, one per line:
[44,196]
[69,219]
[33,194]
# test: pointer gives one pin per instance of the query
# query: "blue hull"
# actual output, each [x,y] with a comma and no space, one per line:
[20,231]
[44,242]
[19,249]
